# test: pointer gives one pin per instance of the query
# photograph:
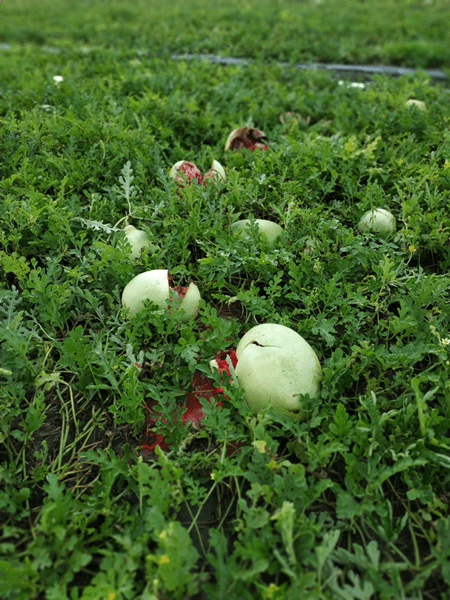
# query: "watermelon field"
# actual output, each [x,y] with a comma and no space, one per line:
[224,300]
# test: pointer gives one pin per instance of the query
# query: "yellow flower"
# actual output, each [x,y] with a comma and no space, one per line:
[412,248]
[164,559]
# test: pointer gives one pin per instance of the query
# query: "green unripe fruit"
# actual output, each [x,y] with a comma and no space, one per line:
[269,230]
[377,220]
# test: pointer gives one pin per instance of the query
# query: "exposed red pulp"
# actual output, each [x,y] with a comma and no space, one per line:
[249,138]
[203,387]
[191,172]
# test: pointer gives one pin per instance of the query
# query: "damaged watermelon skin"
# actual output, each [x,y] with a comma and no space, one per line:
[247,138]
[190,172]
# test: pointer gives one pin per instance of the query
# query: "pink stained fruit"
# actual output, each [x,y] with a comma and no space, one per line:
[157,286]
[184,171]
[216,172]
[247,138]
[193,412]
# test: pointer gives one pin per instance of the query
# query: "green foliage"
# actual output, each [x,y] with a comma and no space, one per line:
[352,503]
[407,32]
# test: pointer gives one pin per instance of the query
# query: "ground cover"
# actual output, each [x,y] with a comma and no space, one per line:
[351,503]
[408,32]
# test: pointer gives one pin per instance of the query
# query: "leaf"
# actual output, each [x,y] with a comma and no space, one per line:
[176,557]
[48,380]
[54,489]
[98,225]
[13,263]
[223,566]
[360,590]
[342,424]
[126,179]
[442,548]
[16,576]
[325,327]
[360,558]
[35,416]
[285,522]
[323,550]
[348,507]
